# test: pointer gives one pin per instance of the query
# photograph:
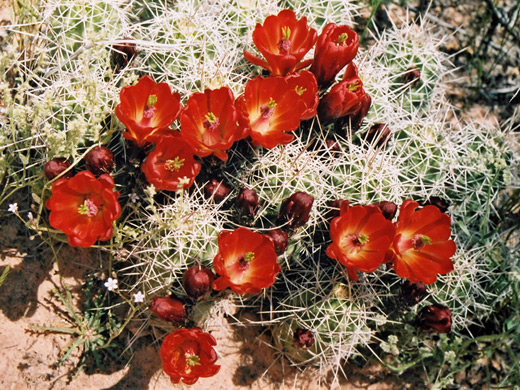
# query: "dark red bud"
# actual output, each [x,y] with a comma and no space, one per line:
[412,76]
[380,133]
[169,309]
[197,281]
[387,208]
[100,160]
[217,189]
[296,209]
[436,317]
[279,239]
[332,146]
[56,166]
[441,204]
[247,201]
[124,52]
[303,338]
[412,293]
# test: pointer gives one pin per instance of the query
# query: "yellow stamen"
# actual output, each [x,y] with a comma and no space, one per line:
[363,239]
[152,99]
[174,165]
[211,118]
[354,86]
[300,90]
[272,103]
[193,360]
[286,32]
[340,40]
[249,257]
[83,209]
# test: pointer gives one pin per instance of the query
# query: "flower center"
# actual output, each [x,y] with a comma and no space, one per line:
[300,90]
[211,123]
[267,110]
[245,259]
[149,109]
[88,208]
[360,239]
[354,86]
[341,39]
[193,360]
[174,165]
[420,240]
[285,44]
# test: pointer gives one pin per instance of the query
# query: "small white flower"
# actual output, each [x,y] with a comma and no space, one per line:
[182,182]
[13,208]
[111,284]
[133,197]
[30,216]
[139,297]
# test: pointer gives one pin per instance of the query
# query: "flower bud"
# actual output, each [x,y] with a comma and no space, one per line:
[296,209]
[169,309]
[332,145]
[412,76]
[279,239]
[197,281]
[55,167]
[387,208]
[303,338]
[99,160]
[436,317]
[124,52]
[412,293]
[217,189]
[247,201]
[379,132]
[441,204]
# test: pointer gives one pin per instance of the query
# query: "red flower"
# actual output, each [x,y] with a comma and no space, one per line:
[84,208]
[345,98]
[170,164]
[361,236]
[269,108]
[422,244]
[187,354]
[209,122]
[246,261]
[336,47]
[283,41]
[304,83]
[146,109]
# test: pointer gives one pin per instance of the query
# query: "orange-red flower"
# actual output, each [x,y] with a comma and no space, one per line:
[305,85]
[422,246]
[171,164]
[209,122]
[345,98]
[336,47]
[246,261]
[269,108]
[361,236]
[147,109]
[187,354]
[283,41]
[84,208]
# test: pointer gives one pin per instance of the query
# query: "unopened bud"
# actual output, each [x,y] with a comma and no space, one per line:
[100,160]
[387,208]
[303,338]
[124,52]
[380,133]
[412,293]
[441,204]
[169,309]
[217,189]
[55,167]
[279,239]
[436,317]
[247,201]
[412,76]
[197,281]
[296,209]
